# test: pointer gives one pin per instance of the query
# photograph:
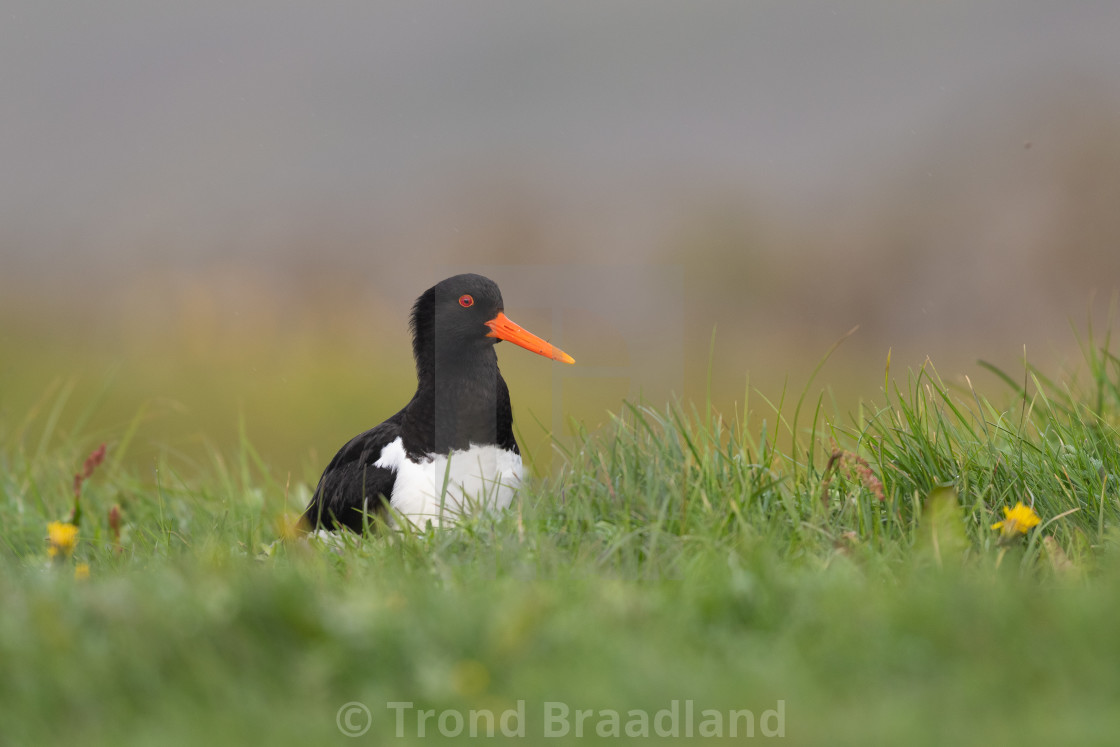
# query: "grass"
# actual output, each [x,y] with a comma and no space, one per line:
[839,567]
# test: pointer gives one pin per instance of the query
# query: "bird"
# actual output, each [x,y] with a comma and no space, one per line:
[450,452]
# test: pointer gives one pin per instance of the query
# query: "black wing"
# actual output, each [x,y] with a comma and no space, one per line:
[352,485]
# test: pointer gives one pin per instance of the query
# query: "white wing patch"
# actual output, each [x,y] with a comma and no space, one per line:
[392,455]
[449,486]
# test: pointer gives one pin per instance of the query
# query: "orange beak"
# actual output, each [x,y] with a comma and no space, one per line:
[504,329]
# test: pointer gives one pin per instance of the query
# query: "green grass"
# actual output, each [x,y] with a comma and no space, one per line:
[843,565]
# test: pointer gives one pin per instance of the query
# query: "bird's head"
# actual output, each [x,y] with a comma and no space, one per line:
[460,317]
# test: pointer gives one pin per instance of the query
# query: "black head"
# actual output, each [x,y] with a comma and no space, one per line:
[458,321]
[449,319]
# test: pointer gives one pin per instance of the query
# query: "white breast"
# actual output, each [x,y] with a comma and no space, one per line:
[449,486]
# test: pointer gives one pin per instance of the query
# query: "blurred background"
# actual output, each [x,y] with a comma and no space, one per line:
[214,217]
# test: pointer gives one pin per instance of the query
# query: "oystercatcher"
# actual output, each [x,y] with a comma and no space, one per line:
[451,450]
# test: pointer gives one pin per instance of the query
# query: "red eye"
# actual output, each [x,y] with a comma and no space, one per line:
[466,302]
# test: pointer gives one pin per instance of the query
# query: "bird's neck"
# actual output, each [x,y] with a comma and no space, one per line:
[458,402]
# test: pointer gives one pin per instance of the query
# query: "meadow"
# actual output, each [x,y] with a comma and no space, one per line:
[848,576]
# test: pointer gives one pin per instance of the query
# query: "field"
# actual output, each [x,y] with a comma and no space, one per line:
[835,574]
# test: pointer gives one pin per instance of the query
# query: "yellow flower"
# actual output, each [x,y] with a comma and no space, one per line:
[288,527]
[470,677]
[81,571]
[63,536]
[1018,520]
